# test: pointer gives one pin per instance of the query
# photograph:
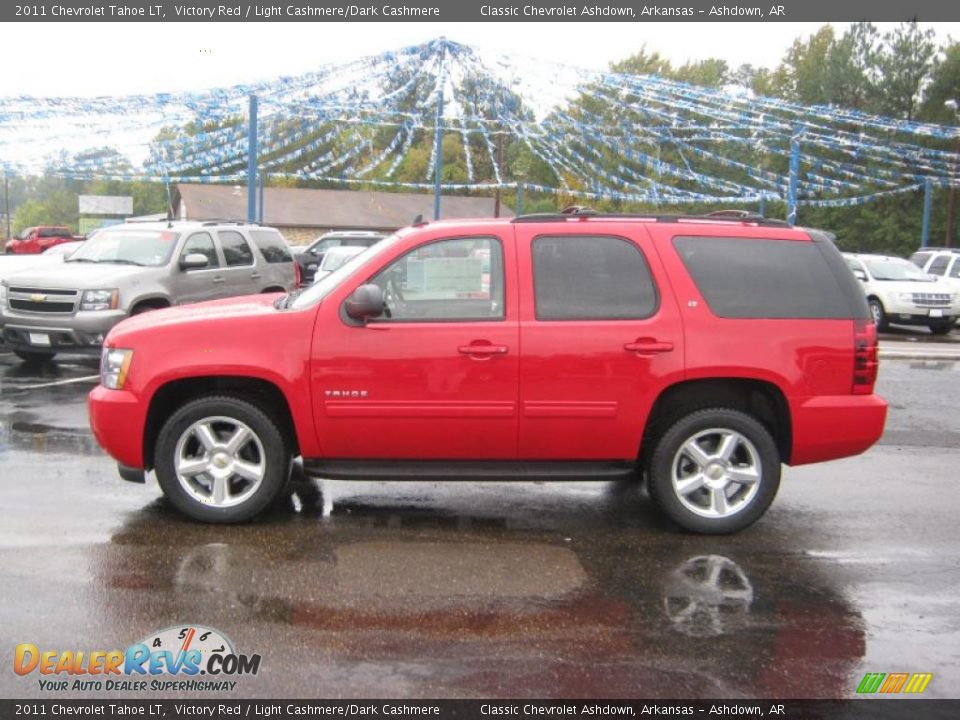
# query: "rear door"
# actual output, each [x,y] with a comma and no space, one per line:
[241,275]
[601,336]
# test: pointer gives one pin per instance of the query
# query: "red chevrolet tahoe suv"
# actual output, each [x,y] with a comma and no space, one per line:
[699,353]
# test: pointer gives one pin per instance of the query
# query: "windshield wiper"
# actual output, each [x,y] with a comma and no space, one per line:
[121,261]
[88,260]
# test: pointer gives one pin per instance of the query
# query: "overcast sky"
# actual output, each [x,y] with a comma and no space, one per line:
[127,58]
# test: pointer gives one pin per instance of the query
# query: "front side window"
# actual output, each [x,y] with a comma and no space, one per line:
[457,279]
[235,249]
[201,244]
[583,277]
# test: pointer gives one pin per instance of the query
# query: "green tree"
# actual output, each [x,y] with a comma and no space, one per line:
[905,61]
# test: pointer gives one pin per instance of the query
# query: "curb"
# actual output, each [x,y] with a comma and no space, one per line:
[950,356]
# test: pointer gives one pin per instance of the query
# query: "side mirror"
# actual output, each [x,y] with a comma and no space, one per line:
[365,302]
[194,261]
[860,275]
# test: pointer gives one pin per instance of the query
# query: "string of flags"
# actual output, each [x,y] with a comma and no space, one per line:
[584,133]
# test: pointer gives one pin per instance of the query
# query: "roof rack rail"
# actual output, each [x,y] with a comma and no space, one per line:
[938,248]
[576,211]
[227,221]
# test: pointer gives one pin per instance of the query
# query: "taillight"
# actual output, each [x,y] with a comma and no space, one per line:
[297,277]
[864,357]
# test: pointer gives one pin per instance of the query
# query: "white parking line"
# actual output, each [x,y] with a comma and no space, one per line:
[87,378]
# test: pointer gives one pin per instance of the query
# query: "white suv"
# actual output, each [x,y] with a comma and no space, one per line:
[901,293]
[942,262]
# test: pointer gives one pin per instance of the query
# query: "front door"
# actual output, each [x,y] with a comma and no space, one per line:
[198,284]
[601,336]
[436,377]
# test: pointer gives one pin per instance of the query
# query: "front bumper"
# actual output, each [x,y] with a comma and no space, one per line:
[118,419]
[82,332]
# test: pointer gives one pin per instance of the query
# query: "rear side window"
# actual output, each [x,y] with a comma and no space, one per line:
[587,277]
[235,248]
[939,265]
[272,246]
[747,278]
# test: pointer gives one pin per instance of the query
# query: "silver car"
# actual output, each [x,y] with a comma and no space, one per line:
[133,268]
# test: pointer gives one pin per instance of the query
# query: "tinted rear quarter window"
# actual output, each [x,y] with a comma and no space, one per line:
[759,278]
[583,277]
[272,246]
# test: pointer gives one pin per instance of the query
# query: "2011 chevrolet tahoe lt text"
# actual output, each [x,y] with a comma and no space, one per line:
[696,353]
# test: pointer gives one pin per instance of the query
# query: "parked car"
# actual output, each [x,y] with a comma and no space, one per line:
[310,258]
[129,269]
[10,264]
[33,240]
[942,262]
[700,353]
[334,258]
[899,292]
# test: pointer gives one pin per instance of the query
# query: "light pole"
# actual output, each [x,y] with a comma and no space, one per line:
[952,105]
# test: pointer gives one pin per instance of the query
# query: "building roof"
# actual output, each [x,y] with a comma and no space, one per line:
[301,207]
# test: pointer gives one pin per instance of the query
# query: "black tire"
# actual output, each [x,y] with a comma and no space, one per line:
[878,313]
[753,451]
[145,308]
[265,450]
[941,328]
[35,356]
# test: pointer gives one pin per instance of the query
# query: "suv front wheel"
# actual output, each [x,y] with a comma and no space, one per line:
[221,459]
[715,471]
[878,313]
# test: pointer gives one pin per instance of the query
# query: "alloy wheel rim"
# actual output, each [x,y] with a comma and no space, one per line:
[716,473]
[219,461]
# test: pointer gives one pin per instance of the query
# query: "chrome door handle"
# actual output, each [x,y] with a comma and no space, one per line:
[484,351]
[218,280]
[648,346]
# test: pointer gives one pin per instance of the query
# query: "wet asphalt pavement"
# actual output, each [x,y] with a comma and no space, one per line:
[544,590]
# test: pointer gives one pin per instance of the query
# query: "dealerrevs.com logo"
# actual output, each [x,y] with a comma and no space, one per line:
[184,658]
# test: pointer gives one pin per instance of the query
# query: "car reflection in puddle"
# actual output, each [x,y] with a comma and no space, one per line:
[390,595]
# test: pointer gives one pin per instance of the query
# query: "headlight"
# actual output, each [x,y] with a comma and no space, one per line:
[905,297]
[114,365]
[100,300]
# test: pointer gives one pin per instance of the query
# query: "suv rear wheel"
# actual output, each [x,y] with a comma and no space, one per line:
[715,471]
[221,459]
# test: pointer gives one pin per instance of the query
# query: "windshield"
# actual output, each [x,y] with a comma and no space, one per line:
[322,288]
[895,269]
[128,246]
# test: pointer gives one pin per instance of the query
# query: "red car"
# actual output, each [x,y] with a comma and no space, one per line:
[697,353]
[34,240]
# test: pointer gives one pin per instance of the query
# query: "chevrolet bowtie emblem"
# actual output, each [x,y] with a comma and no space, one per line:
[37,297]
